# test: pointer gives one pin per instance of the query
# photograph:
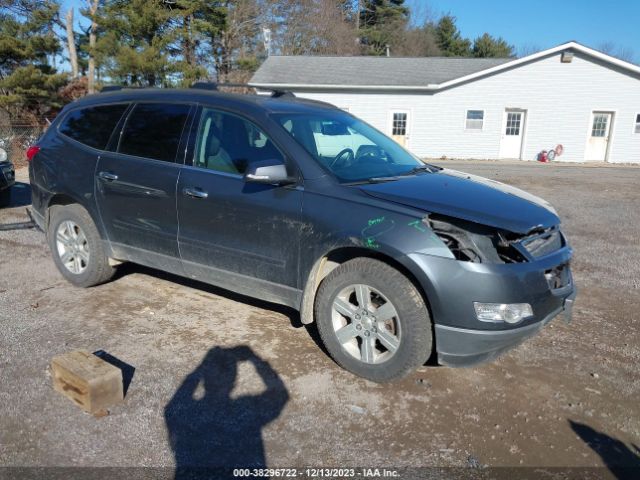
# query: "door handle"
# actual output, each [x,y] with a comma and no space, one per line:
[109,177]
[194,192]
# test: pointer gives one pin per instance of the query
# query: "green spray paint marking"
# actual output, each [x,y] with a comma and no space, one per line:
[418,225]
[371,242]
[376,221]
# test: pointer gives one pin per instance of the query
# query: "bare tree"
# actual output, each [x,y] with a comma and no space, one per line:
[528,49]
[239,43]
[416,42]
[626,53]
[71,43]
[622,52]
[314,27]
[92,6]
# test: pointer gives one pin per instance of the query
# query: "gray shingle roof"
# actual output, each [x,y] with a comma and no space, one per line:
[371,71]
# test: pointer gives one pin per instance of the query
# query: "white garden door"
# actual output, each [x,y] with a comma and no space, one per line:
[400,127]
[598,141]
[512,133]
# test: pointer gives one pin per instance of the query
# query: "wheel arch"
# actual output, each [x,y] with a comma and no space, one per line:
[64,199]
[59,199]
[333,258]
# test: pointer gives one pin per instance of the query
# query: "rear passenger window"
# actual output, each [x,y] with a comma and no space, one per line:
[153,130]
[92,126]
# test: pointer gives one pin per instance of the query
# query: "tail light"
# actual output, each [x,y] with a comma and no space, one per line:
[31,152]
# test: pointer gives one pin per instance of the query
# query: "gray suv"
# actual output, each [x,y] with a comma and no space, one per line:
[395,260]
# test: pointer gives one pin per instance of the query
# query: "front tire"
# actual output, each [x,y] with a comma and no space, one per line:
[372,320]
[76,246]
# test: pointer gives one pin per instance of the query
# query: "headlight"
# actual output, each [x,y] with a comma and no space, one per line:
[502,312]
[3,155]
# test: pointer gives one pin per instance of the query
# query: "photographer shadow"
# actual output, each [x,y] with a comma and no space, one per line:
[212,433]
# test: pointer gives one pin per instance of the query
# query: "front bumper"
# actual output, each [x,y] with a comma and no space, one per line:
[460,347]
[452,286]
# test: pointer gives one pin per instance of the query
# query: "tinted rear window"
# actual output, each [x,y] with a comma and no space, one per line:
[153,130]
[92,126]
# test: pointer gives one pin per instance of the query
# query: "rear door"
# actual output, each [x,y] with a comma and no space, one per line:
[400,127]
[242,236]
[512,134]
[598,141]
[136,185]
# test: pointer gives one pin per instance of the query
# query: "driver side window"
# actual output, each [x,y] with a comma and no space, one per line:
[228,143]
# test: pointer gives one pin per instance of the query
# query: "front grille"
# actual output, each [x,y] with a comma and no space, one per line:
[543,243]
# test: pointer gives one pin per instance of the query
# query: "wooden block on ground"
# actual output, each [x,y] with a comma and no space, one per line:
[90,382]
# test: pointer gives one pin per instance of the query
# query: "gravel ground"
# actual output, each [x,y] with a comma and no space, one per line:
[221,378]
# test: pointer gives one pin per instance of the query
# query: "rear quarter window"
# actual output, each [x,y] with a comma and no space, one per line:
[153,130]
[92,126]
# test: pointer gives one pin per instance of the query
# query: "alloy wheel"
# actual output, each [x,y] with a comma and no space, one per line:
[73,247]
[366,324]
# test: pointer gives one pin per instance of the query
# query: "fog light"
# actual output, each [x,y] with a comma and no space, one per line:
[502,312]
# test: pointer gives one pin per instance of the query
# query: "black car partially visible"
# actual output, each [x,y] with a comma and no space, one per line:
[7,178]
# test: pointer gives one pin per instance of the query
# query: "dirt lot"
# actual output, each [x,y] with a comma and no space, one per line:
[221,378]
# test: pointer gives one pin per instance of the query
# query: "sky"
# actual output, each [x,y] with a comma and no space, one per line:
[532,24]
[544,23]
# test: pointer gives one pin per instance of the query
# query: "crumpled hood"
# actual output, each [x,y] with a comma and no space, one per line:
[469,197]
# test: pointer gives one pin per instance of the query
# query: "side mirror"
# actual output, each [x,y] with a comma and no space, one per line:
[270,172]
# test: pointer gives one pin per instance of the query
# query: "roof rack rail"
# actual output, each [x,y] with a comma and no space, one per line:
[204,85]
[212,86]
[275,92]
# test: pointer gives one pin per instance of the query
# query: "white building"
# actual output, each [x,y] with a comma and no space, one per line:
[571,95]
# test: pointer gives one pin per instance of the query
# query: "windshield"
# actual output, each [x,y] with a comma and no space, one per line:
[352,150]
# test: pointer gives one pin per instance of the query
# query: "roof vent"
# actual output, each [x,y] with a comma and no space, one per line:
[566,57]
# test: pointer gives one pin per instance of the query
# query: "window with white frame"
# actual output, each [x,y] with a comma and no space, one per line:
[399,125]
[637,128]
[475,120]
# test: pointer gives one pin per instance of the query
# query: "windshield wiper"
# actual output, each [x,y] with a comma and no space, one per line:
[422,168]
[373,180]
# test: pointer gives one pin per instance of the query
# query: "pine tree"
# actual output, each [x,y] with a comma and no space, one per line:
[196,23]
[488,46]
[449,39]
[136,41]
[380,23]
[28,83]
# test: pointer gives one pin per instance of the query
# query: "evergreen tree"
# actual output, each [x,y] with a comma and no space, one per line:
[196,23]
[487,46]
[28,83]
[136,41]
[449,39]
[381,23]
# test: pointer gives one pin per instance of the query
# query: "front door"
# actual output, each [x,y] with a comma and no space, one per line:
[238,235]
[598,141]
[512,134]
[400,127]
[136,186]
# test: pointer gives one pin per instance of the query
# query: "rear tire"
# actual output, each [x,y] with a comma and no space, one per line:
[5,197]
[372,320]
[76,246]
